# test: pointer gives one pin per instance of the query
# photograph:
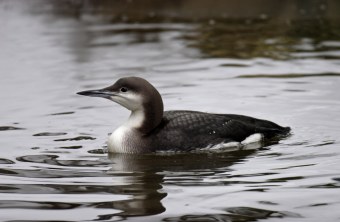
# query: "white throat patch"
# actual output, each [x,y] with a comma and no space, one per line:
[136,119]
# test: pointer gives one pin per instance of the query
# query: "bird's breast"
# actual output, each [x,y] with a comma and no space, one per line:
[127,140]
[117,142]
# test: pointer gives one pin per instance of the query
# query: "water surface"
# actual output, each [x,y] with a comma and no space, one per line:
[53,162]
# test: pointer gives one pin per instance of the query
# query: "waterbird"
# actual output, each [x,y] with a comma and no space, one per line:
[150,129]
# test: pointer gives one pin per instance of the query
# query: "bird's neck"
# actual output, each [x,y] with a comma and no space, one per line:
[148,115]
[144,120]
[136,119]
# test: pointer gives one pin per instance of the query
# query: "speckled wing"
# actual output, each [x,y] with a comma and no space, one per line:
[185,130]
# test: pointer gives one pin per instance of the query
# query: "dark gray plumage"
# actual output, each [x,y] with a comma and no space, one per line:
[187,130]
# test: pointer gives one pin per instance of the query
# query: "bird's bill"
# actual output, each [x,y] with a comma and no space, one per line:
[97,93]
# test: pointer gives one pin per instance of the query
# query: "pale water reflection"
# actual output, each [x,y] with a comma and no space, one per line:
[53,165]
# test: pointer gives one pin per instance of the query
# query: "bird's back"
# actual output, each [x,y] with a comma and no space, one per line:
[187,130]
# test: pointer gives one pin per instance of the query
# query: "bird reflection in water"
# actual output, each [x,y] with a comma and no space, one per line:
[145,176]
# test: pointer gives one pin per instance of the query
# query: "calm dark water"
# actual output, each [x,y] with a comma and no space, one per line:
[53,165]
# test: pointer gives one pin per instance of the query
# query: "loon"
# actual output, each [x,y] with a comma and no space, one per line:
[149,128]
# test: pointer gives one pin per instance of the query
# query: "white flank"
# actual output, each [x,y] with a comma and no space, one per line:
[254,138]
[236,145]
[251,142]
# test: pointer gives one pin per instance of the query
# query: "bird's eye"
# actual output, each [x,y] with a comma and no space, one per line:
[123,89]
